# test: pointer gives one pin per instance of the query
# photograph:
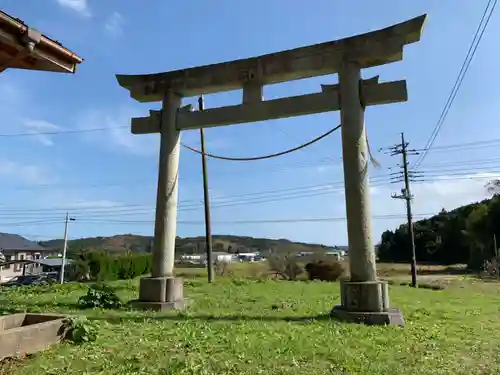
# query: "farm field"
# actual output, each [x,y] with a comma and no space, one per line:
[242,326]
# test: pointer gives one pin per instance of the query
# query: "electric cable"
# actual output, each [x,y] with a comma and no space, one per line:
[225,222]
[478,35]
[58,132]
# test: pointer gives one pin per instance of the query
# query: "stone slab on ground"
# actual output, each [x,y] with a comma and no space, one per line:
[28,333]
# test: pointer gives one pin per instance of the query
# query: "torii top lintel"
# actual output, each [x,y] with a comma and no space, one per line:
[370,49]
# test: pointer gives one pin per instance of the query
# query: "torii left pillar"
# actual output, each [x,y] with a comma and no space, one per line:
[162,290]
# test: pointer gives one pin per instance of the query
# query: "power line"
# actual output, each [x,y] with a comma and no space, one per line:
[149,210]
[59,132]
[463,162]
[301,164]
[141,183]
[482,143]
[478,35]
[237,199]
[201,222]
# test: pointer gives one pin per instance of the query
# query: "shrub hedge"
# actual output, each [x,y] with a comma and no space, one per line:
[325,270]
[108,267]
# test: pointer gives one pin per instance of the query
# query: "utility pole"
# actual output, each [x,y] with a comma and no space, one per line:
[495,245]
[406,195]
[206,199]
[65,246]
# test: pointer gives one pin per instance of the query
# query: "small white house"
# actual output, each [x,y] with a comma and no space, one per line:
[338,254]
[191,257]
[304,253]
[222,257]
[217,256]
[247,257]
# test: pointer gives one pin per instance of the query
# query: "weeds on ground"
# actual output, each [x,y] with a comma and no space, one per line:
[432,286]
[100,295]
[285,265]
[78,330]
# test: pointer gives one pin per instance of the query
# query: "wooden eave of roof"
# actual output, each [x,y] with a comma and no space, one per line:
[48,54]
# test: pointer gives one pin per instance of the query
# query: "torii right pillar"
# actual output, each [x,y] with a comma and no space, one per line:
[364,298]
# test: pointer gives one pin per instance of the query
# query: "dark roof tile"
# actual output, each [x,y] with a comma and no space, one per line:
[15,242]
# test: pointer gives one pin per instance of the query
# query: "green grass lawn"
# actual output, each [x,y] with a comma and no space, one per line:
[270,327]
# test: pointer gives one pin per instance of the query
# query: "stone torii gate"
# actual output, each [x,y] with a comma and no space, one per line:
[363,298]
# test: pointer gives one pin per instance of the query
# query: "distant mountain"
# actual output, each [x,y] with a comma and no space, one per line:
[187,245]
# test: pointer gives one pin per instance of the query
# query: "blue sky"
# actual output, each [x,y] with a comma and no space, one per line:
[107,179]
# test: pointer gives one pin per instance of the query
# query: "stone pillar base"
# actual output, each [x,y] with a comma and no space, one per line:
[160,294]
[366,302]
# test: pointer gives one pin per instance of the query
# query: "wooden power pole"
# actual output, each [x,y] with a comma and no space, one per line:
[206,199]
[65,247]
[495,247]
[406,195]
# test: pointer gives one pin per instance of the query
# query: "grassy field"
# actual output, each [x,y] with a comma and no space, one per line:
[240,326]
[389,271]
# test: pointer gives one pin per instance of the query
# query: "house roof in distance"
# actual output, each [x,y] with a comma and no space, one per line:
[55,262]
[17,243]
[22,47]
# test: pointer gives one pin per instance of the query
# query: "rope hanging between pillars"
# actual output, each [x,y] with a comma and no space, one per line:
[374,162]
[265,156]
[361,89]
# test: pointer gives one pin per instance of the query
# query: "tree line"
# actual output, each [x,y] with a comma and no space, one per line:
[464,235]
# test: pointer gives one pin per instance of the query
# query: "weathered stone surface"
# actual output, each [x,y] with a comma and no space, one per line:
[370,49]
[355,159]
[174,289]
[153,289]
[364,296]
[254,111]
[366,302]
[22,334]
[160,293]
[389,317]
[168,190]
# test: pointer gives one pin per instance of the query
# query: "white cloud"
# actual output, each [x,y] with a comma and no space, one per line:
[217,144]
[213,142]
[41,126]
[446,192]
[430,197]
[79,6]
[449,192]
[114,24]
[117,135]
[14,98]
[59,197]
[30,174]
[10,92]
[82,203]
[327,168]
